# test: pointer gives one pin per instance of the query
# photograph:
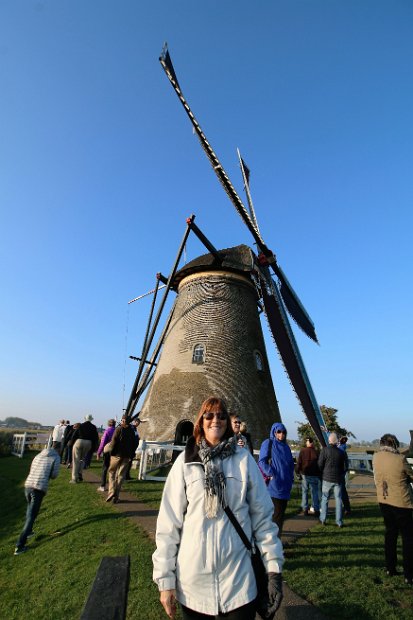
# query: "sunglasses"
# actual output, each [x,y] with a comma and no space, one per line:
[237,422]
[210,415]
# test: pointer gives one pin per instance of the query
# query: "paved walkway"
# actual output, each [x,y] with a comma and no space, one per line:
[293,607]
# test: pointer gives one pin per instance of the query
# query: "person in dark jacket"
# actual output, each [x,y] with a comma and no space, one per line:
[65,441]
[135,426]
[84,438]
[331,463]
[342,445]
[276,462]
[307,466]
[123,446]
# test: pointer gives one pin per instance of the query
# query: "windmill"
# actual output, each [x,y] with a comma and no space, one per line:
[237,273]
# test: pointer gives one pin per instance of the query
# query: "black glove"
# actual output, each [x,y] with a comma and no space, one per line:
[275,593]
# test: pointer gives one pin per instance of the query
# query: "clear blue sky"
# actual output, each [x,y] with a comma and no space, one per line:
[99,169]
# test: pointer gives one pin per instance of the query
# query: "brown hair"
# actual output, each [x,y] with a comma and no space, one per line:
[211,404]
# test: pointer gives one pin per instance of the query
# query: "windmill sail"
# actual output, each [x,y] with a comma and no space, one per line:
[303,321]
[273,303]
[246,176]
[166,63]
[291,357]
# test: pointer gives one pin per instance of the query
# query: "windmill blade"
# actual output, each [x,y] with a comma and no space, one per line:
[290,297]
[166,63]
[246,176]
[290,355]
[295,306]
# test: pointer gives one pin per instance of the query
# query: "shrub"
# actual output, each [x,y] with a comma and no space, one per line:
[6,443]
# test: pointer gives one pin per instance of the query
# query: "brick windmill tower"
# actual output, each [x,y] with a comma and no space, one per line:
[214,346]
[212,342]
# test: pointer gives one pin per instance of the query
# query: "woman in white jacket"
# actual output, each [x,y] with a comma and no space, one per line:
[200,559]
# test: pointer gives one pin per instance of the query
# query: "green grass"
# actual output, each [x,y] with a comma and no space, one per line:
[75,529]
[342,571]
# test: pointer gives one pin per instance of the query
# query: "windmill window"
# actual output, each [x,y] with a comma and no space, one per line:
[198,355]
[259,363]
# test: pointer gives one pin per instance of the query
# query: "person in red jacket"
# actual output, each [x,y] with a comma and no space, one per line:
[307,467]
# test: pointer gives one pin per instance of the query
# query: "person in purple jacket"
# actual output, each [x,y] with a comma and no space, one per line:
[276,461]
[106,438]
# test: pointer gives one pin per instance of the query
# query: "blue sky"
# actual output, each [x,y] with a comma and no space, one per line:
[99,169]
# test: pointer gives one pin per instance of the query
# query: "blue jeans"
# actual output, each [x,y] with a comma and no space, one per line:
[307,483]
[34,499]
[326,489]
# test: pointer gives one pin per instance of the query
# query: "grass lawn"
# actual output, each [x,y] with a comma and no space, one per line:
[75,529]
[340,571]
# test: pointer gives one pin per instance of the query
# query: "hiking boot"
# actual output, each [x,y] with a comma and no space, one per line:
[20,550]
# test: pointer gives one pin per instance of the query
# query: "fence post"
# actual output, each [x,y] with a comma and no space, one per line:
[142,464]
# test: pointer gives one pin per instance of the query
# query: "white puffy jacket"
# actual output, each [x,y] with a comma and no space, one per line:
[205,559]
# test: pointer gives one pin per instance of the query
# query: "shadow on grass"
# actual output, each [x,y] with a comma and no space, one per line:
[72,527]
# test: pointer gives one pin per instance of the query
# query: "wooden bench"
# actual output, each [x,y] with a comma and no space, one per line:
[108,596]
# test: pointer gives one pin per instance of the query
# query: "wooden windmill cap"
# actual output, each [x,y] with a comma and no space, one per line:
[239,259]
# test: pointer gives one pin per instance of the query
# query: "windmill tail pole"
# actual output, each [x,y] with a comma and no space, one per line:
[150,337]
[132,399]
[204,240]
[145,340]
[142,383]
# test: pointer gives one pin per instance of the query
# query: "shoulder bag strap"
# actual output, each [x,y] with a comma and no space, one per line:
[237,526]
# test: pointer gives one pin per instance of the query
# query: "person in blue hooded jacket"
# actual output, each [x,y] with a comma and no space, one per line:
[276,462]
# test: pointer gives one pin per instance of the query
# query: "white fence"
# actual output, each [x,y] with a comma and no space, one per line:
[21,441]
[360,462]
[153,456]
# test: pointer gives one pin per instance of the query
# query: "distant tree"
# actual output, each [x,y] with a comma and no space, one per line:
[16,422]
[304,429]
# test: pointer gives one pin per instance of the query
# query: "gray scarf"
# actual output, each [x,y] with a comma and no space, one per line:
[212,458]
